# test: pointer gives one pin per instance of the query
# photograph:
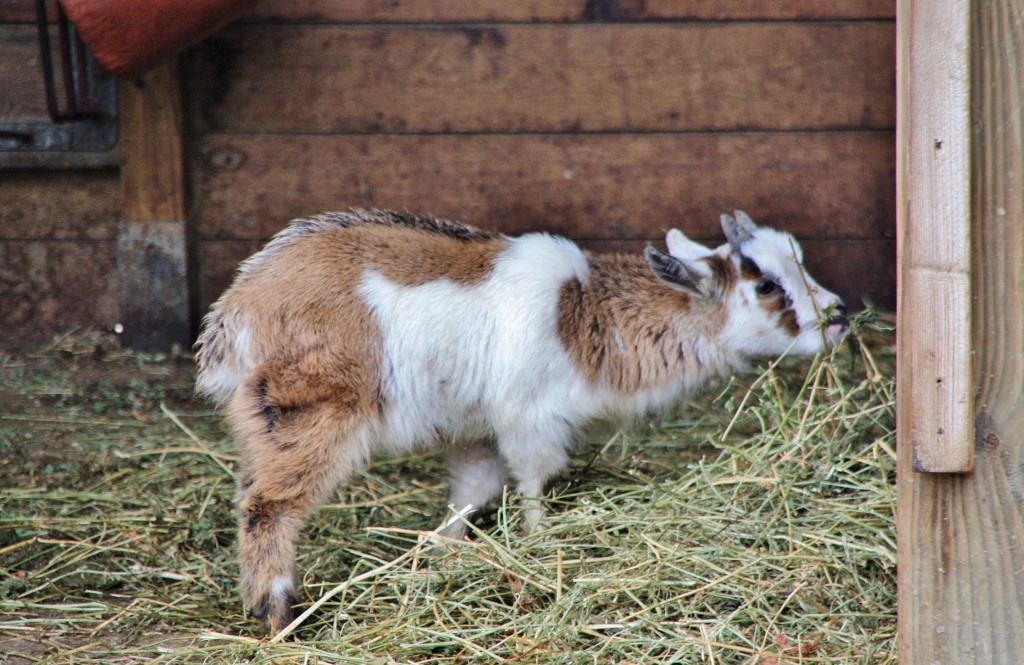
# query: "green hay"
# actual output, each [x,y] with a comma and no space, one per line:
[756,526]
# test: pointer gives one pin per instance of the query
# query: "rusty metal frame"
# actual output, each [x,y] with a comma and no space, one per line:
[83,128]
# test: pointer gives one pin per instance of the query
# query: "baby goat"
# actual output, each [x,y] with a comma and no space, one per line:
[368,331]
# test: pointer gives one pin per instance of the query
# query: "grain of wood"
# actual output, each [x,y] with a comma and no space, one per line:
[55,286]
[59,205]
[24,97]
[152,170]
[817,185]
[547,78]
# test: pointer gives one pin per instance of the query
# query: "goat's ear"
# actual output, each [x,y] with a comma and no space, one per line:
[738,229]
[685,249]
[674,272]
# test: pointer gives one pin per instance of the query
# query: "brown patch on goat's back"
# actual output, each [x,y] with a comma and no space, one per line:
[390,218]
[410,249]
[406,256]
[623,296]
[412,259]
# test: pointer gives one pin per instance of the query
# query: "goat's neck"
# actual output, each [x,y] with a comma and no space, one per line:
[629,332]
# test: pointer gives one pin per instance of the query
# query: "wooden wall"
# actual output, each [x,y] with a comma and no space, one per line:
[57,228]
[608,121]
[605,121]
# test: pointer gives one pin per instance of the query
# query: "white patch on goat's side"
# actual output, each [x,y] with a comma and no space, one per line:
[433,336]
[473,361]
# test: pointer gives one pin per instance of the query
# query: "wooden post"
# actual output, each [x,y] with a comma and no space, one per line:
[151,257]
[961,536]
[935,254]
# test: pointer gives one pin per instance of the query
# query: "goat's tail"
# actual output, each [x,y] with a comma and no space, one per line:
[221,355]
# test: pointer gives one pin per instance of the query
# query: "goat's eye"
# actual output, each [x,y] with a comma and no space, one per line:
[765,286]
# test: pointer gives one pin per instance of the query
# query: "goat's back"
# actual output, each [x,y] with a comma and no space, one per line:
[383,287]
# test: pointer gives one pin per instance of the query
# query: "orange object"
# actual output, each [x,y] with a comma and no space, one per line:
[129,36]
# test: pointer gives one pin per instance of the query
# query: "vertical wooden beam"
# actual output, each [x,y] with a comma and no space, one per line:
[961,537]
[936,251]
[151,258]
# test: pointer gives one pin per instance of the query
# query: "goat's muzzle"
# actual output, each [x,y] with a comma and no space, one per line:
[837,324]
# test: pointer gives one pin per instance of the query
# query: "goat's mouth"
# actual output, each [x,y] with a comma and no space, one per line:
[836,324]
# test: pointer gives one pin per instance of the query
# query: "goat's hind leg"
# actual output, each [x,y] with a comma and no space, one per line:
[293,456]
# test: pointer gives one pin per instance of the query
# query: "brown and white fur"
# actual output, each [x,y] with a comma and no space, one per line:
[367,332]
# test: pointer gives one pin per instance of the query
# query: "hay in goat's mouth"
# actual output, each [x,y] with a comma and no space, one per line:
[754,527]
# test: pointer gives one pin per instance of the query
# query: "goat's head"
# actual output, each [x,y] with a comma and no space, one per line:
[772,305]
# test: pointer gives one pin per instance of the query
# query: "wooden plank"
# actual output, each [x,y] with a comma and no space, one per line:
[21,79]
[818,185]
[151,262]
[23,11]
[152,173]
[215,264]
[448,11]
[51,287]
[546,78]
[59,205]
[937,254]
[961,591]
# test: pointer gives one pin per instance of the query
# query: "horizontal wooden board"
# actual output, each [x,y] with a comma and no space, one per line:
[546,78]
[23,11]
[215,262]
[59,205]
[21,79]
[459,11]
[818,185]
[445,11]
[859,271]
[48,287]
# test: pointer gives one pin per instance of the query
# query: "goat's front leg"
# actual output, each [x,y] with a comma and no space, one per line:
[477,476]
[532,458]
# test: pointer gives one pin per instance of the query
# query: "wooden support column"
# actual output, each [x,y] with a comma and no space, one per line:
[151,257]
[961,535]
[935,255]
